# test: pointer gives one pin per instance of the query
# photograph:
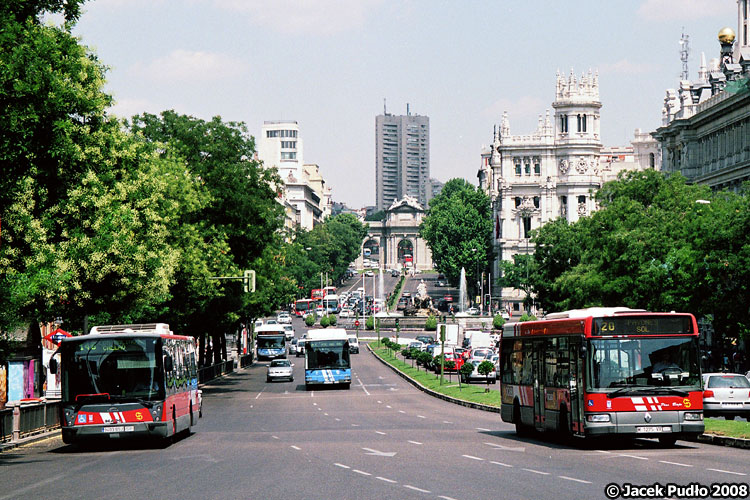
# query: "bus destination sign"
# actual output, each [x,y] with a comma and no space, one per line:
[643,325]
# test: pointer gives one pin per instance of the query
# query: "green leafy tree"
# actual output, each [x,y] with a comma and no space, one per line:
[497,322]
[325,322]
[424,359]
[458,228]
[430,324]
[485,368]
[310,320]
[370,323]
[466,370]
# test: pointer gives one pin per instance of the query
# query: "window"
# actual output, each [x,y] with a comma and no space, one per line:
[288,155]
[651,160]
[537,167]
[581,199]
[518,167]
[526,227]
[518,201]
[536,201]
[564,124]
[527,167]
[289,144]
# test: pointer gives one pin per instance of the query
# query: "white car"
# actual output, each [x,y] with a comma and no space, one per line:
[284,319]
[473,311]
[369,274]
[476,376]
[505,315]
[280,368]
[346,312]
[288,332]
[320,311]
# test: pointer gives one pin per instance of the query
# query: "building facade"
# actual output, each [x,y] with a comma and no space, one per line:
[553,172]
[706,124]
[402,158]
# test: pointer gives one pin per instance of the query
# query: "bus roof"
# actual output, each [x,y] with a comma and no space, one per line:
[160,328]
[592,312]
[270,329]
[327,334]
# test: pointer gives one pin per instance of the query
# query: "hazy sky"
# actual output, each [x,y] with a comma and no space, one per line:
[328,64]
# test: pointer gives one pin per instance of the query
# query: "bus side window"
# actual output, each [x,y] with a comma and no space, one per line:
[563,363]
[550,362]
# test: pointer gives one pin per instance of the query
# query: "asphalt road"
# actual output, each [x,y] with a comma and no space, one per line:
[381,439]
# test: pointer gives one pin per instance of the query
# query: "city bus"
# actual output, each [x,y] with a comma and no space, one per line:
[327,358]
[329,290]
[302,306]
[270,341]
[317,294]
[331,304]
[127,381]
[602,372]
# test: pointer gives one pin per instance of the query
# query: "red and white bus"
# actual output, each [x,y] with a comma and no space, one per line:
[126,381]
[317,294]
[302,306]
[604,371]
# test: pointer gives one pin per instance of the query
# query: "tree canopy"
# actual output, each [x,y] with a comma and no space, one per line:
[458,229]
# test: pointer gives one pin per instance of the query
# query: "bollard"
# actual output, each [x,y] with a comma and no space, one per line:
[16,423]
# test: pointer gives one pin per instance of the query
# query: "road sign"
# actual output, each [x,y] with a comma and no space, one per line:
[356,323]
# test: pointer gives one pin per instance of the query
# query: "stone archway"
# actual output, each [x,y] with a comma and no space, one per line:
[405,252]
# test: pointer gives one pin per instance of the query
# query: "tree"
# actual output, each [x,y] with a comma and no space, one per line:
[430,324]
[458,228]
[498,321]
[466,370]
[485,368]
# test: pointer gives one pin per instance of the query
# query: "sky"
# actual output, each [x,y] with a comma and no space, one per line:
[329,65]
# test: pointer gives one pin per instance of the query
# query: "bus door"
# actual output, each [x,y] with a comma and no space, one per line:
[538,362]
[576,385]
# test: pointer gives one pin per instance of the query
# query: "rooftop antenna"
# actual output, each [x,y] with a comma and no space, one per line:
[684,54]
[384,111]
[407,109]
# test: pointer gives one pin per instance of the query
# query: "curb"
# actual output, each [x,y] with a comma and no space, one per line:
[713,439]
[461,402]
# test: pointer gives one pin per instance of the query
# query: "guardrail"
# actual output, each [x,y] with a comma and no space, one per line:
[24,418]
[213,371]
[246,360]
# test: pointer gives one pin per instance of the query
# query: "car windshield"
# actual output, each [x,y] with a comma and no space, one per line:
[727,382]
[274,342]
[280,362]
[641,362]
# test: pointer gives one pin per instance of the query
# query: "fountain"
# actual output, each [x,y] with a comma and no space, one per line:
[381,293]
[462,291]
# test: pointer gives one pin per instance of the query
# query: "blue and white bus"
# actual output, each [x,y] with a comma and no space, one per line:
[270,341]
[327,358]
[331,304]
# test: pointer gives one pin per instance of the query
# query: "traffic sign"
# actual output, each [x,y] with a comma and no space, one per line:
[356,323]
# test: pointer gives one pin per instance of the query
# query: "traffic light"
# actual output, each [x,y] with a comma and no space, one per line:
[248,281]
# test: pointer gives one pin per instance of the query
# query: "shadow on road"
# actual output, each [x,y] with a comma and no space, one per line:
[608,443]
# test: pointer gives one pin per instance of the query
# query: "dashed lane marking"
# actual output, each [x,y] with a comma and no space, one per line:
[275,437]
[483,429]
[675,463]
[296,447]
[472,457]
[537,472]
[401,411]
[421,416]
[416,489]
[414,442]
[381,433]
[342,466]
[386,479]
[574,479]
[502,464]
[446,498]
[728,472]
[361,472]
[632,456]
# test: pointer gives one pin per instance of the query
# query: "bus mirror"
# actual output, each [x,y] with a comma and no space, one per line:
[168,363]
[53,366]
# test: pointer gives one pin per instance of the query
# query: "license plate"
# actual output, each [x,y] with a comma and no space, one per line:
[732,405]
[653,428]
[118,428]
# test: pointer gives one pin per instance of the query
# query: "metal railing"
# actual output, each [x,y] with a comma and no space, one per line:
[213,371]
[24,418]
[246,360]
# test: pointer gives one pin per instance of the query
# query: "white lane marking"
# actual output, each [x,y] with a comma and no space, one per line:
[342,466]
[416,489]
[355,425]
[379,432]
[312,394]
[361,472]
[320,409]
[363,387]
[388,406]
[401,411]
[414,442]
[729,472]
[508,448]
[537,472]
[500,463]
[296,447]
[446,498]
[380,402]
[385,479]
[632,456]
[675,463]
[483,429]
[315,404]
[603,451]
[574,479]
[261,392]
[251,406]
[421,416]
[338,420]
[446,422]
[275,437]
[326,414]
[472,457]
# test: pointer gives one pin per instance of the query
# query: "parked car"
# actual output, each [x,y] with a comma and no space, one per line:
[284,318]
[353,344]
[726,395]
[280,369]
[495,358]
[476,376]
[288,332]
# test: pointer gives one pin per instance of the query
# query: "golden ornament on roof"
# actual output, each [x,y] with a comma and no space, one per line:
[726,35]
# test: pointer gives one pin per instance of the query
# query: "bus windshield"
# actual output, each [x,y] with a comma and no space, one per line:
[643,362]
[120,368]
[327,354]
[271,342]
[302,305]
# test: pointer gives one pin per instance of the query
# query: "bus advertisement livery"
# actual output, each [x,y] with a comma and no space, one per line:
[327,358]
[604,371]
[317,294]
[270,341]
[302,306]
[127,381]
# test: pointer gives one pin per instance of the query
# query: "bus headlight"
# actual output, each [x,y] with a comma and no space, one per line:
[156,412]
[693,416]
[598,417]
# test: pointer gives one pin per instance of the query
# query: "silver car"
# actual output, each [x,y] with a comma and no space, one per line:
[726,395]
[280,369]
[476,376]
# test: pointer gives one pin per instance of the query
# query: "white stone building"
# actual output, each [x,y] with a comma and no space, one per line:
[553,172]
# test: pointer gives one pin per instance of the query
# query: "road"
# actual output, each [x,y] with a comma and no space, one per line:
[380,439]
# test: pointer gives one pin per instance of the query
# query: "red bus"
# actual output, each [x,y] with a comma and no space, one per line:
[317,294]
[127,381]
[302,306]
[604,371]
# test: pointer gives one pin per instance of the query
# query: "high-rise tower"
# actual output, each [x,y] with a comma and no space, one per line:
[402,158]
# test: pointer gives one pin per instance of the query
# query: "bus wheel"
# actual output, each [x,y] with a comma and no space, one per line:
[667,440]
